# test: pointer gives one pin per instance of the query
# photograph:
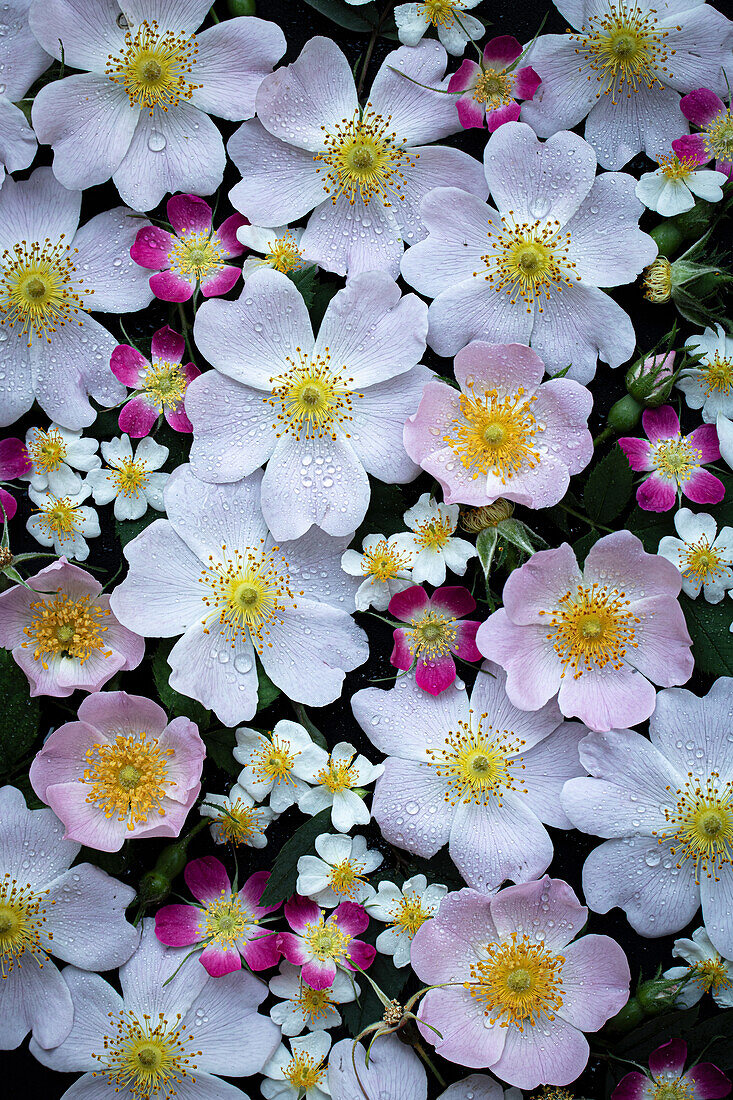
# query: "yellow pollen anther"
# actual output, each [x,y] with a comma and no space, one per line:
[718,137]
[312,399]
[154,67]
[337,777]
[60,518]
[434,534]
[274,761]
[130,476]
[700,825]
[303,1072]
[284,254]
[700,562]
[623,50]
[657,281]
[519,982]
[238,823]
[363,157]
[196,254]
[592,628]
[494,87]
[495,435]
[431,635]
[713,974]
[676,168]
[65,627]
[22,917]
[46,450]
[227,920]
[409,914]
[479,763]
[346,877]
[39,288]
[440,12]
[128,778]
[383,562]
[150,1061]
[327,941]
[314,1003]
[717,374]
[675,459]
[528,260]
[165,384]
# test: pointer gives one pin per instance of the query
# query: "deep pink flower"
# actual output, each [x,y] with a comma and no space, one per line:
[491,89]
[225,923]
[674,462]
[160,385]
[121,771]
[320,946]
[62,632]
[666,1077]
[706,110]
[14,462]
[478,944]
[434,635]
[192,255]
[600,637]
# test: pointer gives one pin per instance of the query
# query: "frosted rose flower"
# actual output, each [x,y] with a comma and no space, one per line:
[338,872]
[505,433]
[706,971]
[130,480]
[437,633]
[121,771]
[236,818]
[599,638]
[225,923]
[138,111]
[432,546]
[667,1077]
[277,764]
[672,188]
[211,573]
[279,248]
[334,776]
[62,633]
[706,110]
[449,17]
[308,1009]
[299,1073]
[77,915]
[361,172]
[320,945]
[709,384]
[52,273]
[479,775]
[193,1026]
[623,66]
[55,455]
[404,909]
[64,523]
[703,557]
[529,271]
[192,256]
[323,411]
[673,462]
[665,806]
[160,385]
[385,568]
[489,91]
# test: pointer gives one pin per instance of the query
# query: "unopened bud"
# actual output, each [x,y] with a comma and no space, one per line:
[658,995]
[474,520]
[625,414]
[650,380]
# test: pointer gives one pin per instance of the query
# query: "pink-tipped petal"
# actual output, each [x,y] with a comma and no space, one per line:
[702,487]
[128,365]
[220,281]
[253,890]
[526,82]
[189,214]
[218,960]
[464,78]
[692,147]
[9,504]
[471,114]
[151,247]
[361,953]
[292,948]
[500,115]
[401,657]
[14,459]
[669,1057]
[319,974]
[170,287]
[661,423]
[351,918]
[227,235]
[436,675]
[501,52]
[406,605]
[137,417]
[168,344]
[453,600]
[709,1082]
[656,494]
[632,1087]
[300,911]
[638,452]
[178,419]
[701,107]
[262,951]
[180,925]
[705,440]
[465,647]
[207,879]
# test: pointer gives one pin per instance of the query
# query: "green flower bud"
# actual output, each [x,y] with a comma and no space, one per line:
[625,415]
[650,380]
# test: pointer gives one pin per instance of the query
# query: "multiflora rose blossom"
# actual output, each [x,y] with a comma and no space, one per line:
[505,433]
[403,909]
[362,171]
[488,92]
[672,188]
[478,774]
[667,1076]
[706,970]
[436,635]
[321,944]
[160,384]
[306,1009]
[708,385]
[212,573]
[516,994]
[278,764]
[121,771]
[599,637]
[130,479]
[431,544]
[385,567]
[62,633]
[703,555]
[706,110]
[450,18]
[529,271]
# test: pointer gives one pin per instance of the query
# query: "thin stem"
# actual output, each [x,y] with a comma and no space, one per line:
[607,433]
[579,515]
[430,1064]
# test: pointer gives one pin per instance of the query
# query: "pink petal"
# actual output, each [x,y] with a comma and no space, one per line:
[218,961]
[170,287]
[167,344]
[500,52]
[301,911]
[631,1087]
[453,600]
[319,974]
[14,458]
[638,452]
[500,115]
[253,890]
[179,925]
[705,440]
[292,948]
[669,1058]
[701,107]
[662,423]
[177,418]
[189,372]
[466,640]
[361,953]
[262,951]
[401,657]
[692,147]
[137,417]
[406,605]
[436,675]
[709,1082]
[656,494]
[464,77]
[227,234]
[471,114]
[350,917]
[189,214]
[526,82]
[703,488]
[220,281]
[151,247]
[9,505]
[207,879]
[127,365]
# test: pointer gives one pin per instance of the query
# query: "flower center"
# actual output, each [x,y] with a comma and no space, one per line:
[128,778]
[22,916]
[477,764]
[409,915]
[701,825]
[529,261]
[165,384]
[383,562]
[717,374]
[495,435]
[303,1072]
[311,399]
[657,281]
[247,592]
[153,67]
[60,518]
[494,86]
[145,1059]
[46,450]
[363,157]
[66,628]
[713,974]
[591,628]
[314,1003]
[36,291]
[274,762]
[675,168]
[195,254]
[699,560]
[327,941]
[434,534]
[284,254]
[673,1089]
[346,877]
[432,635]
[519,982]
[440,12]
[130,477]
[676,459]
[237,823]
[719,136]
[337,777]
[227,921]
[623,50]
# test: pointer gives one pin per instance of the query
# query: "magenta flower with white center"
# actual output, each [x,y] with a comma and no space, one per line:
[714,139]
[599,638]
[449,17]
[673,462]
[320,945]
[522,994]
[52,273]
[624,65]
[14,462]
[78,915]
[121,771]
[479,775]
[529,271]
[362,171]
[505,433]
[160,384]
[437,632]
[139,110]
[667,1077]
[665,805]
[190,1025]
[193,255]
[212,573]
[225,922]
[489,91]
[323,411]
[62,633]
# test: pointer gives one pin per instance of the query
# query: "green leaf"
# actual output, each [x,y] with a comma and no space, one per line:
[649,1035]
[368,1009]
[709,627]
[267,692]
[650,527]
[219,747]
[717,1031]
[284,875]
[608,488]
[362,19]
[486,547]
[305,280]
[322,295]
[21,714]
[583,545]
[128,529]
[174,703]
[521,536]
[384,515]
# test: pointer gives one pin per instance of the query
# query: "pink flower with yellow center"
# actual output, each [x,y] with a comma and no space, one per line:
[159,385]
[437,633]
[320,945]
[714,139]
[489,92]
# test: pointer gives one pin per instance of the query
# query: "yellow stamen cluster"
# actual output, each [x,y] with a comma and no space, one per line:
[624,50]
[336,777]
[62,626]
[39,288]
[346,877]
[591,628]
[718,137]
[128,778]
[196,254]
[154,67]
[327,941]
[713,974]
[130,477]
[494,87]
[384,562]
[440,12]
[657,281]
[677,168]
[246,591]
[673,1089]
[495,435]
[701,562]
[314,1003]
[22,917]
[148,1060]
[519,982]
[431,635]
[46,450]
[60,518]
[478,763]
[303,1072]
[717,374]
[227,920]
[363,158]
[165,384]
[237,823]
[284,254]
[409,914]
[676,459]
[435,533]
[700,825]
[274,761]
[529,260]
[312,399]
